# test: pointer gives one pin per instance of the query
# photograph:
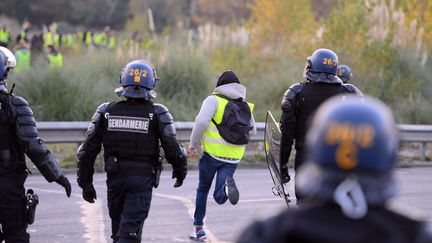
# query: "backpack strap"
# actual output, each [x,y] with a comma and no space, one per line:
[223,97]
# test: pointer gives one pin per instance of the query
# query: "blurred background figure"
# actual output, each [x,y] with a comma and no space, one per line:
[23,56]
[344,73]
[5,37]
[55,58]
[36,48]
[24,33]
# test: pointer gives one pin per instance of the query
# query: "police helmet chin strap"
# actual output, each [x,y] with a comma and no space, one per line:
[350,198]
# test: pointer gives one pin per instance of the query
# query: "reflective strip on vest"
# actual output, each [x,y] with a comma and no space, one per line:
[214,144]
[23,60]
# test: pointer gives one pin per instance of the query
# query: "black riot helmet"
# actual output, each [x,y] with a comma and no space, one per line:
[138,80]
[322,66]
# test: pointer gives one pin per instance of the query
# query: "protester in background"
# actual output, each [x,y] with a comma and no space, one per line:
[5,37]
[23,57]
[55,58]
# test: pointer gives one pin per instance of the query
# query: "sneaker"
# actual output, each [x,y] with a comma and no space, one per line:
[233,193]
[198,234]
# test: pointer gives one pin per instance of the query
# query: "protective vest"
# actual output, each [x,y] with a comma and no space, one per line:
[23,60]
[212,141]
[55,60]
[11,155]
[131,132]
[88,38]
[100,39]
[4,36]
[112,42]
[51,40]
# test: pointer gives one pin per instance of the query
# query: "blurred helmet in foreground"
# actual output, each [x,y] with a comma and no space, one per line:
[351,149]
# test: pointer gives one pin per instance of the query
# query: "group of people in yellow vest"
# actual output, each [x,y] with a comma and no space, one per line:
[51,43]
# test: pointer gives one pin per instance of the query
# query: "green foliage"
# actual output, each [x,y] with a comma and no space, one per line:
[184,83]
[237,58]
[71,93]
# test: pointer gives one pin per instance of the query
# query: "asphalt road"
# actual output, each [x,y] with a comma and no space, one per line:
[62,219]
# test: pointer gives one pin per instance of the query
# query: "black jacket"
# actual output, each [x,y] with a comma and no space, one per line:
[299,103]
[327,224]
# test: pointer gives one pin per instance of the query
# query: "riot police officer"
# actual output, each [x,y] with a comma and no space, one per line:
[347,181]
[130,132]
[19,136]
[344,73]
[302,99]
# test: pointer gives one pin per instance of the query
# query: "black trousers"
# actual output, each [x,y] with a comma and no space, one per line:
[12,212]
[129,204]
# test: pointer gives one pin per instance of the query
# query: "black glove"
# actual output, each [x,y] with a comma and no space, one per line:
[285,177]
[179,179]
[64,182]
[89,193]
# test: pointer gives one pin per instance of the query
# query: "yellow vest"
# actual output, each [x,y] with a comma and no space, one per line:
[212,141]
[4,36]
[55,61]
[23,60]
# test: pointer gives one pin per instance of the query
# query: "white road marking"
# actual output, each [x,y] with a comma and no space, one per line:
[92,217]
[190,208]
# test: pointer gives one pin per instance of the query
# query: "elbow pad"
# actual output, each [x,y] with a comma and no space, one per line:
[289,97]
[166,121]
[352,89]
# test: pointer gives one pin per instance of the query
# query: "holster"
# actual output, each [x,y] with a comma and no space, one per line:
[32,201]
[157,172]
[111,165]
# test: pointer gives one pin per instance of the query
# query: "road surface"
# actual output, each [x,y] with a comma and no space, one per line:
[62,219]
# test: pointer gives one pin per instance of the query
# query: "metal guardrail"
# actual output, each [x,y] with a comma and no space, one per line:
[75,132]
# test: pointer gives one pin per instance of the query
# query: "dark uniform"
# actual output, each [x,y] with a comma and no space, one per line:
[19,136]
[327,224]
[130,132]
[301,100]
[346,181]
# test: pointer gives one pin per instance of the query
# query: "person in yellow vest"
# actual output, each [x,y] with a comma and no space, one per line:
[23,57]
[220,157]
[55,58]
[5,37]
[23,35]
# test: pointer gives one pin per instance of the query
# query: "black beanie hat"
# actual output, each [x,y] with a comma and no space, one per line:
[227,77]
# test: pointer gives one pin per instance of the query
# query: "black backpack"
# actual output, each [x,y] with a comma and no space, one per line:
[235,125]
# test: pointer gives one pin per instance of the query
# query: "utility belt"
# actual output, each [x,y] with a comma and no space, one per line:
[115,167]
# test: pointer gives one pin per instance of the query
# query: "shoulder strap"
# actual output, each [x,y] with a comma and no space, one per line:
[222,96]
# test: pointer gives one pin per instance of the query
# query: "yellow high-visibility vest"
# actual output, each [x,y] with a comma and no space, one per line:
[212,141]
[55,61]
[4,36]
[23,60]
